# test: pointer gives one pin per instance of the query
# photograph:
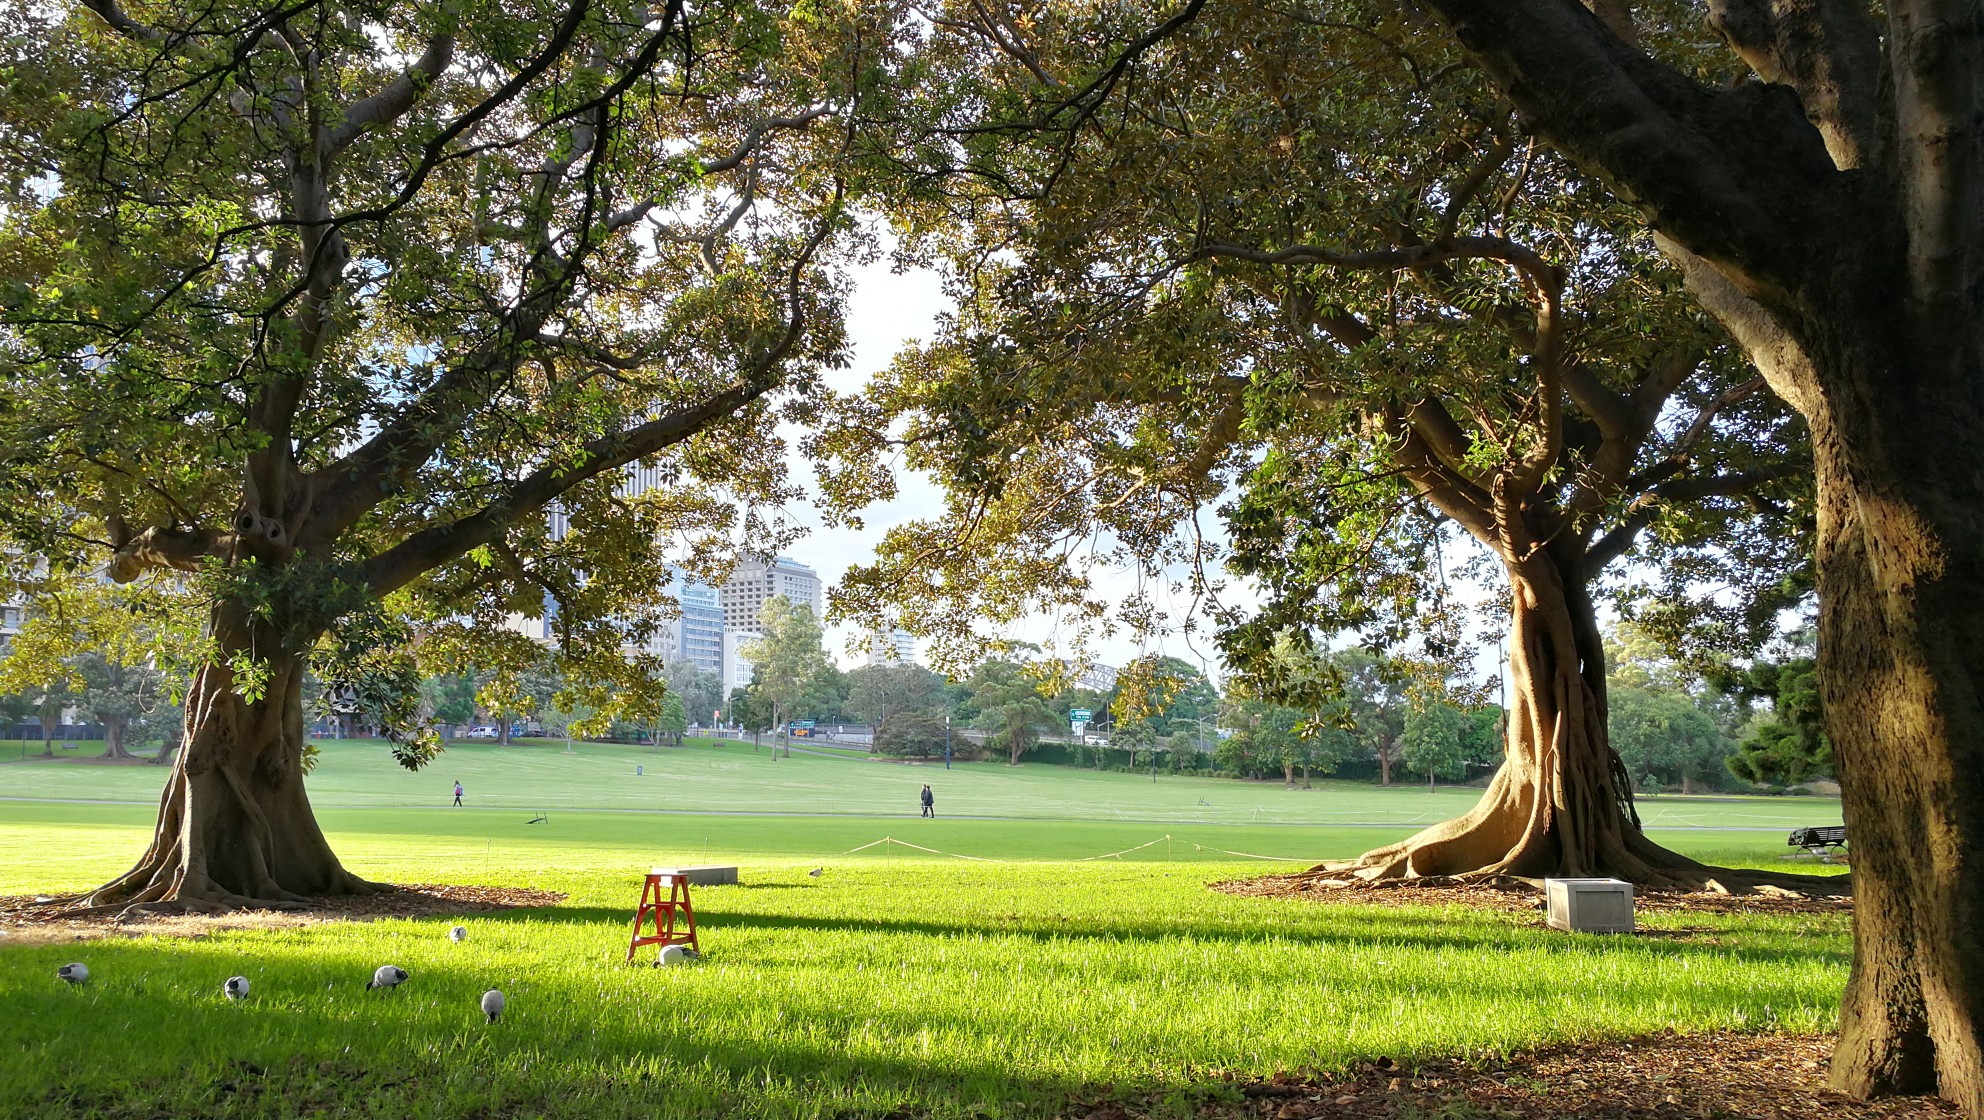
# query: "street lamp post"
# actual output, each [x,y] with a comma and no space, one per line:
[947,742]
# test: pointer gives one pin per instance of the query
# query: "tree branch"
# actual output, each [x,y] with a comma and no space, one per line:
[123,24]
[1829,51]
[436,545]
[398,96]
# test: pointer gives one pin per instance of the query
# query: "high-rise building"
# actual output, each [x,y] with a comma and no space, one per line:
[756,579]
[699,632]
[737,669]
[897,647]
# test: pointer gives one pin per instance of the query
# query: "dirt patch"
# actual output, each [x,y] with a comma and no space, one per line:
[1518,896]
[1666,1077]
[26,921]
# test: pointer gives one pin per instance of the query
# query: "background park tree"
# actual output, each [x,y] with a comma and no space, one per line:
[876,692]
[700,689]
[788,659]
[1009,708]
[324,307]
[912,734]
[1787,746]
[449,698]
[1435,742]
[119,698]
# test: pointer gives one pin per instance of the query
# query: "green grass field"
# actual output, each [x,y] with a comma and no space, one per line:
[898,983]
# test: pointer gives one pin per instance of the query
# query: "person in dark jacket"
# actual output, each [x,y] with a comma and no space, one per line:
[928,801]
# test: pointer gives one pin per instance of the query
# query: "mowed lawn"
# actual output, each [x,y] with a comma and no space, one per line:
[708,776]
[898,982]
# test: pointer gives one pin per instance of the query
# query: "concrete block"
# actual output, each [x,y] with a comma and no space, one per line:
[702,875]
[1590,905]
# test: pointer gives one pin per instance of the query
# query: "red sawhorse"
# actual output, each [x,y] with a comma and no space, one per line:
[665,895]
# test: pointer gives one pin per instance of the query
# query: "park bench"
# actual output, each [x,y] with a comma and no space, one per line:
[1820,841]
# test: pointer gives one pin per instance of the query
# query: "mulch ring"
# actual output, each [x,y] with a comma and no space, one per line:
[1520,896]
[1665,1077]
[28,921]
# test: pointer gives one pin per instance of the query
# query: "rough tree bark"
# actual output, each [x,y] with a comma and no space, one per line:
[1901,634]
[234,825]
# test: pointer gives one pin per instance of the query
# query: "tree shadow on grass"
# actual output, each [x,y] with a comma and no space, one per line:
[1387,927]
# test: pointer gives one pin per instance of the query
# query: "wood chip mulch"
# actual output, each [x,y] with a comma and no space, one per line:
[1517,895]
[1720,1075]
[26,921]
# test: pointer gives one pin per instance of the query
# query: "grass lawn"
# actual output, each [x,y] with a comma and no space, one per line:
[897,983]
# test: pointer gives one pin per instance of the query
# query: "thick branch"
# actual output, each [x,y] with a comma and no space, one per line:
[123,24]
[1829,51]
[1736,175]
[399,95]
[430,547]
[177,549]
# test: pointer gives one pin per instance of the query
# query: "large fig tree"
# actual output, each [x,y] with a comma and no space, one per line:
[312,304]
[1310,257]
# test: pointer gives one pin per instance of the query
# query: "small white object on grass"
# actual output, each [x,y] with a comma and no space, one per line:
[817,872]
[492,1004]
[670,955]
[236,987]
[74,973]
[387,976]
[458,934]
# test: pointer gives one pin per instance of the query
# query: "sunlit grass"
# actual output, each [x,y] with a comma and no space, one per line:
[900,982]
[735,777]
[945,987]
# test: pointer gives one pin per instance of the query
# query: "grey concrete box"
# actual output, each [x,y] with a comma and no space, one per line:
[702,875]
[1590,905]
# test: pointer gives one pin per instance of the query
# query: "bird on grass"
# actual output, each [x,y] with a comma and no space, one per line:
[817,872]
[458,934]
[387,976]
[492,1004]
[74,973]
[235,988]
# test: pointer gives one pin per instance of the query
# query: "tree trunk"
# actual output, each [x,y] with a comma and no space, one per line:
[1384,764]
[1288,773]
[48,727]
[235,828]
[1561,804]
[114,740]
[1901,637]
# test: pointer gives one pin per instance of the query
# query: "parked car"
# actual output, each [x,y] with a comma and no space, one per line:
[483,732]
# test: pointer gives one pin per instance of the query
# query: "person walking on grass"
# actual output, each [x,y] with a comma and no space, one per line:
[928,802]
[458,793]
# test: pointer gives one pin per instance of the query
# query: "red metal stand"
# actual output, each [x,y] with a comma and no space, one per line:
[665,894]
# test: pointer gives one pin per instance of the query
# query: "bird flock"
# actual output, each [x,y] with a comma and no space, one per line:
[385,977]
